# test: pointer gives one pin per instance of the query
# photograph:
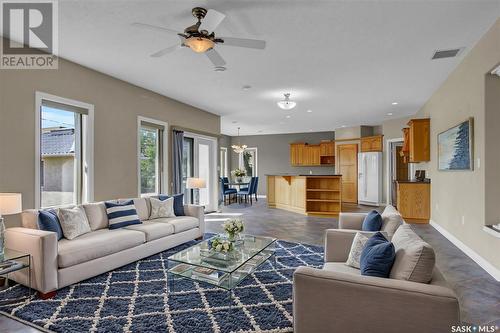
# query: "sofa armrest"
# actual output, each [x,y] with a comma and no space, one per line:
[351,220]
[198,212]
[326,301]
[42,246]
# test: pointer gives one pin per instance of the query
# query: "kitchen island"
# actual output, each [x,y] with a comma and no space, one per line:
[305,194]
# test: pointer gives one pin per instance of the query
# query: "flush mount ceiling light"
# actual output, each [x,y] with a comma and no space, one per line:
[286,104]
[394,103]
[239,148]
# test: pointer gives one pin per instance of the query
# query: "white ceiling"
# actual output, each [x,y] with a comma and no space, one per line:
[346,61]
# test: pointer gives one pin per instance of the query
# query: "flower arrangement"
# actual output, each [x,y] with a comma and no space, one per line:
[233,227]
[238,173]
[221,245]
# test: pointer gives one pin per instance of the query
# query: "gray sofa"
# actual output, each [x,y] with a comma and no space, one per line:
[57,264]
[338,298]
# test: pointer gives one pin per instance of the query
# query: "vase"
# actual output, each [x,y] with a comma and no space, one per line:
[239,179]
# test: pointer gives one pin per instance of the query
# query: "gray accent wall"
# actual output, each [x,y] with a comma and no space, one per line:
[273,154]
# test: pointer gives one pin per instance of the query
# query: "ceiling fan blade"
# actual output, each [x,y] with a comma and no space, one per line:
[153,27]
[244,42]
[211,20]
[215,58]
[164,51]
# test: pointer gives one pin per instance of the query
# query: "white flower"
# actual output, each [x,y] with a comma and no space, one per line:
[218,247]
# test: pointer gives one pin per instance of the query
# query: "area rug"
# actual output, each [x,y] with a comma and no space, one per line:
[134,298]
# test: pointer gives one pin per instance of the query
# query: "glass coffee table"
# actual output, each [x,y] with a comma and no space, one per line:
[200,264]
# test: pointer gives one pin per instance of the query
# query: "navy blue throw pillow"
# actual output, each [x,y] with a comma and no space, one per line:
[48,221]
[121,214]
[178,203]
[377,257]
[372,222]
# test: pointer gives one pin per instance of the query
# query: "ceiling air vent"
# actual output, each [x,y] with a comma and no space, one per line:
[440,54]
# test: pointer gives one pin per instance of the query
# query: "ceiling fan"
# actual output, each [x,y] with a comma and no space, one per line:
[201,38]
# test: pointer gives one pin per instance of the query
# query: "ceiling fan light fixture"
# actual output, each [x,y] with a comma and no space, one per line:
[286,104]
[199,44]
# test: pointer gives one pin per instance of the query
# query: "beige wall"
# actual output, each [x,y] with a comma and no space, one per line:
[117,105]
[458,198]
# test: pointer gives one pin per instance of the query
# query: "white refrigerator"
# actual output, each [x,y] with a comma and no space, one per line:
[370,178]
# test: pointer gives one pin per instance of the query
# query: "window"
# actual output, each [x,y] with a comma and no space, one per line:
[248,162]
[151,157]
[64,151]
[224,170]
[187,166]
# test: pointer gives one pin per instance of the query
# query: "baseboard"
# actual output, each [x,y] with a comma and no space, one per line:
[483,263]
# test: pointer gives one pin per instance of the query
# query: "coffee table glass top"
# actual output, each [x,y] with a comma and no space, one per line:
[248,248]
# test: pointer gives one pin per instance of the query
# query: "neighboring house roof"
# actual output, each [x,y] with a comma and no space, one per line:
[58,142]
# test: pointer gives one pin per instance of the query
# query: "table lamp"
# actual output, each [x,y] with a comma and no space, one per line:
[10,203]
[196,184]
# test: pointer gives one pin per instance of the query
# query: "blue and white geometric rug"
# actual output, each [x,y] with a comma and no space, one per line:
[133,298]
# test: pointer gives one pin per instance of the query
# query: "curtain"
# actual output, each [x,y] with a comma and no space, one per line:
[178,143]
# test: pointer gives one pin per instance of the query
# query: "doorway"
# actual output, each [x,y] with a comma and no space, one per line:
[347,161]
[398,169]
[200,161]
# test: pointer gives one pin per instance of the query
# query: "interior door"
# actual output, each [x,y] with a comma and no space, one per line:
[347,157]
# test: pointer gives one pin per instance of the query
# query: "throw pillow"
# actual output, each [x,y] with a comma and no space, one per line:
[358,244]
[73,221]
[121,214]
[48,221]
[377,257]
[162,208]
[178,203]
[372,221]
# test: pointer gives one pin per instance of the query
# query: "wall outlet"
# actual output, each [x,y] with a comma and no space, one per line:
[463,220]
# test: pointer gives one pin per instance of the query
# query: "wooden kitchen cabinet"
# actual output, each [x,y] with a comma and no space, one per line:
[371,143]
[417,145]
[413,201]
[327,148]
[303,154]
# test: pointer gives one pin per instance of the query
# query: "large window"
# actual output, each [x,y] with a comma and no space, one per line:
[248,162]
[224,169]
[151,157]
[63,153]
[187,166]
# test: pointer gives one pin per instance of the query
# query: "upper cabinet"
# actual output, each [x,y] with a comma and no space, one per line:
[417,145]
[371,143]
[303,154]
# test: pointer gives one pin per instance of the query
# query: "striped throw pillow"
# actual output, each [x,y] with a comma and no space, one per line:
[121,214]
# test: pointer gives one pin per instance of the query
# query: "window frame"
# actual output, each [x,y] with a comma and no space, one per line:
[84,192]
[163,147]
[224,170]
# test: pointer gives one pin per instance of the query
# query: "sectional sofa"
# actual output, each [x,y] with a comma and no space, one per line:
[56,264]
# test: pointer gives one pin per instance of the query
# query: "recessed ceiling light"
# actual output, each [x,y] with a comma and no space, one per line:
[288,116]
[246,87]
[390,114]
[343,126]
[309,111]
[394,103]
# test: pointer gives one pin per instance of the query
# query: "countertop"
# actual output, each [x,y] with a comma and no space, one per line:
[428,181]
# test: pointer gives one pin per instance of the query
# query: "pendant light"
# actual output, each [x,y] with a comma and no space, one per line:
[239,148]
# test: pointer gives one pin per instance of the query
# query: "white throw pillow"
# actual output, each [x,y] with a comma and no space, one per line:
[73,222]
[358,244]
[161,208]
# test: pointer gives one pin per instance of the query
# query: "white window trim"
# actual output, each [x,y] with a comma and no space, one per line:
[89,144]
[225,172]
[164,172]
[256,166]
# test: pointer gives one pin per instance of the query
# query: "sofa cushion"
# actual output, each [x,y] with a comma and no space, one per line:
[358,244]
[377,257]
[96,214]
[341,268]
[121,214]
[161,208]
[415,258]
[178,203]
[73,222]
[180,223]
[391,220]
[48,221]
[372,221]
[153,230]
[142,207]
[29,218]
[97,244]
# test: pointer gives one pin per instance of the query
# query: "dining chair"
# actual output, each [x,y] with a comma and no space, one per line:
[247,193]
[256,186]
[226,191]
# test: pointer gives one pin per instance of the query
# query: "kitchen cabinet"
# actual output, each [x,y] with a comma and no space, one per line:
[371,144]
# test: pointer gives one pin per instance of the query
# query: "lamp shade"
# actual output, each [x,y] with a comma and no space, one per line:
[196,183]
[10,203]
